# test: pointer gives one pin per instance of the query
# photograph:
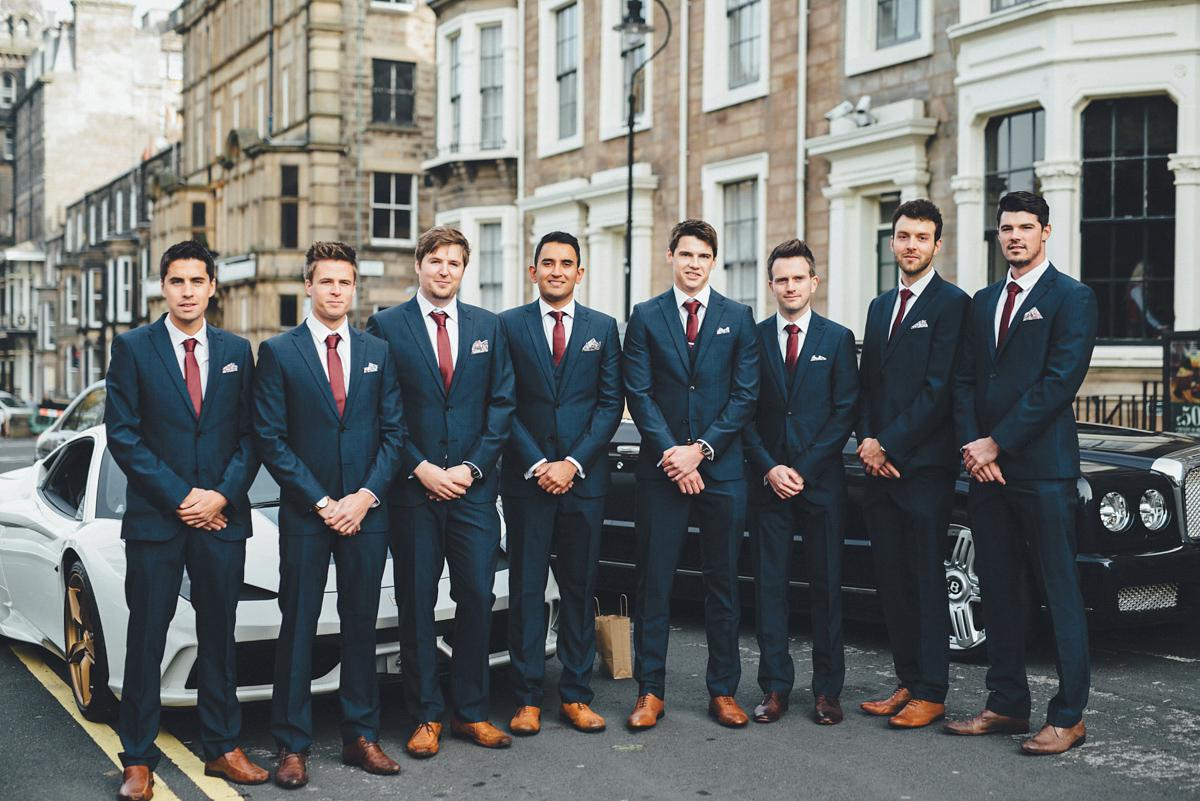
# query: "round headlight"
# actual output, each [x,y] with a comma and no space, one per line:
[1153,508]
[1114,512]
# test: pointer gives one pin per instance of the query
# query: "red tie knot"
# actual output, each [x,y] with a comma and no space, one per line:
[692,306]
[905,295]
[439,317]
[332,341]
[792,329]
[558,316]
[189,345]
[1013,288]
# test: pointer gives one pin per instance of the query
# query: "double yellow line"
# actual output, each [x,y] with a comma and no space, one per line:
[110,744]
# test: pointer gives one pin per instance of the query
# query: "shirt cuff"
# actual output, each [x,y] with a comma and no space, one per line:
[476,473]
[536,465]
[578,466]
[711,452]
[373,495]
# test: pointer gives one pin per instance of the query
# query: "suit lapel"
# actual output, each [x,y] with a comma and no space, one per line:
[579,334]
[1035,294]
[162,344]
[769,337]
[420,335]
[216,359]
[913,315]
[881,322]
[537,341]
[670,313]
[990,315]
[466,341]
[712,323]
[812,342]
[307,347]
[358,356]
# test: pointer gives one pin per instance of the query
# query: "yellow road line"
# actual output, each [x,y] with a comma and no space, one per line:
[110,744]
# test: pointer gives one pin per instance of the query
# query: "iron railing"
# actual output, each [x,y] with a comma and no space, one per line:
[1132,411]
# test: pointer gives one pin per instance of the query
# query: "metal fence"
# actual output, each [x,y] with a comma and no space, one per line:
[1133,411]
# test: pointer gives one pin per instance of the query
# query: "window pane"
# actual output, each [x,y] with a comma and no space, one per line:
[392,206]
[289,181]
[741,247]
[289,224]
[744,41]
[567,60]
[392,91]
[491,81]
[1097,200]
[491,266]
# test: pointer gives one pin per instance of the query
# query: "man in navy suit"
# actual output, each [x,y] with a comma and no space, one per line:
[328,426]
[797,480]
[456,378]
[179,426]
[1026,349]
[691,377]
[567,362]
[909,454]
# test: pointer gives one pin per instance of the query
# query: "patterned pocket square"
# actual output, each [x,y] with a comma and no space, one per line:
[919,324]
[1032,314]
[724,330]
[480,346]
[591,345]
[229,368]
[371,368]
[818,358]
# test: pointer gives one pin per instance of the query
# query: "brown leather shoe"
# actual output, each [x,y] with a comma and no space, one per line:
[527,720]
[1053,740]
[917,713]
[771,709]
[889,706]
[581,716]
[481,733]
[647,712]
[292,771]
[362,753]
[237,768]
[988,722]
[137,784]
[827,710]
[726,711]
[424,741]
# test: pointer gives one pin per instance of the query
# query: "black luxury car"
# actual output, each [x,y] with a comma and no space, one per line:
[1138,537]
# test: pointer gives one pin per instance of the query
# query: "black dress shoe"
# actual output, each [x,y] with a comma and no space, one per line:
[827,710]
[771,709]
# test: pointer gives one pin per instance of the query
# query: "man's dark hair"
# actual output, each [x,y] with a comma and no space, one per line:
[329,251]
[790,250]
[190,249]
[1025,201]
[697,228]
[920,209]
[563,238]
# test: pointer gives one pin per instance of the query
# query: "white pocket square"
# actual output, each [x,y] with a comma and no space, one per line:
[371,368]
[229,368]
[919,324]
[591,345]
[724,330]
[818,358]
[480,346]
[1032,314]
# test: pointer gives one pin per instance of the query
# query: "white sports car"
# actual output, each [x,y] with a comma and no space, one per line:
[62,586]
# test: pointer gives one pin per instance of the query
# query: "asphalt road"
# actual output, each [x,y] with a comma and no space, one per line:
[1143,737]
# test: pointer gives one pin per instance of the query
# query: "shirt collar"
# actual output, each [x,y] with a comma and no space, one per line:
[1030,278]
[546,308]
[320,331]
[804,321]
[177,336]
[919,286]
[451,308]
[702,296]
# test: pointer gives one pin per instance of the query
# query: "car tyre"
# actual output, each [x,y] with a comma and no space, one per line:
[87,658]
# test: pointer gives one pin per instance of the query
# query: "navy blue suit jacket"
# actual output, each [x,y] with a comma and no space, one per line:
[160,444]
[804,420]
[311,450]
[677,397]
[471,422]
[1021,394]
[907,385]
[572,410]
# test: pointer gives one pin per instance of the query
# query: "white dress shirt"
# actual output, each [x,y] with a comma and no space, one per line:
[702,296]
[916,289]
[201,351]
[804,322]
[548,326]
[1026,283]
[319,333]
[451,310]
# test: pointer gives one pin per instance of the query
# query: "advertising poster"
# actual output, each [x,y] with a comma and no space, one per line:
[1181,382]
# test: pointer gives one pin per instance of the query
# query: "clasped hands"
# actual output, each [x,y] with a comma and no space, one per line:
[874,459]
[979,458]
[202,509]
[681,463]
[444,484]
[345,516]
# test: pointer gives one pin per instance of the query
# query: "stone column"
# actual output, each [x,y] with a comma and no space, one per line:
[971,274]
[1060,188]
[1187,248]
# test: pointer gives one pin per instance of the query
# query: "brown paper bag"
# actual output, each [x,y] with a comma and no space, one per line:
[613,641]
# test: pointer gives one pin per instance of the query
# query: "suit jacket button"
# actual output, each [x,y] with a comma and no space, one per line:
[992,376]
[693,389]
[441,442]
[789,414]
[550,438]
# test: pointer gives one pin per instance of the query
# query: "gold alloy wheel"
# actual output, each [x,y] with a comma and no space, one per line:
[85,649]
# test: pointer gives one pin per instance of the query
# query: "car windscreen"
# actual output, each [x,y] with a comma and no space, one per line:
[110,490]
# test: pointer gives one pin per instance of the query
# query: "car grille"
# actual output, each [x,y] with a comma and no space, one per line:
[1191,503]
[1149,598]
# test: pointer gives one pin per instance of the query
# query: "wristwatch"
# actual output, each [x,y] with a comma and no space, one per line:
[705,450]
[321,504]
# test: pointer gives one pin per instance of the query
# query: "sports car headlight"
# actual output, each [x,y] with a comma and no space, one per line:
[1114,512]
[1153,508]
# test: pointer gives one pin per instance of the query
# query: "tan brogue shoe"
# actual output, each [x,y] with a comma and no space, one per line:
[137,784]
[527,720]
[292,771]
[362,753]
[726,711]
[1053,740]
[581,717]
[889,706]
[424,741]
[237,768]
[827,710]
[771,709]
[917,713]
[646,712]
[988,722]
[481,733]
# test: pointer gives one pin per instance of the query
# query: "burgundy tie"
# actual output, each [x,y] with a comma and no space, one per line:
[337,382]
[445,359]
[191,374]
[905,295]
[793,345]
[1013,288]
[560,336]
[693,320]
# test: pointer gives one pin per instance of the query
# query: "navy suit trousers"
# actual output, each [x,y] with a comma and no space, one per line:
[153,576]
[303,572]
[1009,520]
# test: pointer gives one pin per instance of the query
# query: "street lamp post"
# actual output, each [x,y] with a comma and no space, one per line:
[634,28]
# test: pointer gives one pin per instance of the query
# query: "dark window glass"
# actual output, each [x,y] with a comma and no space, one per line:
[289,176]
[198,215]
[1011,146]
[289,224]
[392,206]
[393,91]
[288,316]
[896,21]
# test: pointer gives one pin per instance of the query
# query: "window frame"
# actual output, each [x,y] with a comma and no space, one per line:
[713,178]
[394,242]
[860,39]
[394,92]
[549,125]
[716,91]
